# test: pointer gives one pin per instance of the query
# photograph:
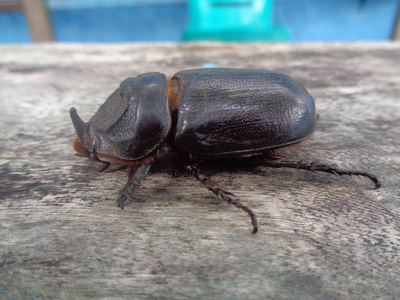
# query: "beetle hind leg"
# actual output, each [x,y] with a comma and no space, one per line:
[136,176]
[275,163]
[223,195]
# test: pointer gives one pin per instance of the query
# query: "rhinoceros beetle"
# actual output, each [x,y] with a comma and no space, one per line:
[203,115]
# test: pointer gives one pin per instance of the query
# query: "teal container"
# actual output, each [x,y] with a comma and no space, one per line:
[233,20]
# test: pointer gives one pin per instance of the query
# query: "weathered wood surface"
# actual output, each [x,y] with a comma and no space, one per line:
[320,237]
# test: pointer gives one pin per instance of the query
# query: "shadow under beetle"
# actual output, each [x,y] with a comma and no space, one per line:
[203,115]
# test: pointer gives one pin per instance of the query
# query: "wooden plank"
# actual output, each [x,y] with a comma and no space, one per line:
[321,236]
[38,20]
[7,6]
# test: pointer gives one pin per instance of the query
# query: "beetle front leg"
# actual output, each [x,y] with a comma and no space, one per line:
[223,195]
[104,166]
[136,175]
[275,163]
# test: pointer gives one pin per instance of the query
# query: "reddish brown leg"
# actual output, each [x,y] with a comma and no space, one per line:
[276,163]
[223,195]
[104,166]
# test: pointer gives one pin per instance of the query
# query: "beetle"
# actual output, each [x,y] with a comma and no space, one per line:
[203,115]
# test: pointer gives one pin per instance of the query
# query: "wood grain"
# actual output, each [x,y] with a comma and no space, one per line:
[320,237]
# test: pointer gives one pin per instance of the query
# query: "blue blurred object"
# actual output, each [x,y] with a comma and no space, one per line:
[14,28]
[165,20]
[121,24]
[233,20]
[338,20]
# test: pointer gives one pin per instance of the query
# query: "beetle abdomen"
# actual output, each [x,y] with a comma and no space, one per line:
[238,111]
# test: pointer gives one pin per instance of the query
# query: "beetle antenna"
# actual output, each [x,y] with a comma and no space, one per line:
[223,195]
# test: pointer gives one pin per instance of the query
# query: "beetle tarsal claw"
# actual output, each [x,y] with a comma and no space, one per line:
[103,167]
[121,202]
[127,195]
[373,178]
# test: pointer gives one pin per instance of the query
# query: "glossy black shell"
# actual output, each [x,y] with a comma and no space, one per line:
[238,111]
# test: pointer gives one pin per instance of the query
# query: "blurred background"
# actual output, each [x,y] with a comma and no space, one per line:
[25,21]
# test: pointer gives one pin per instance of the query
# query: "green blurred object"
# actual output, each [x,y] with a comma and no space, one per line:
[233,20]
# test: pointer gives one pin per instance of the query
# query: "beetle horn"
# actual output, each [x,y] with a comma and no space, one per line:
[80,126]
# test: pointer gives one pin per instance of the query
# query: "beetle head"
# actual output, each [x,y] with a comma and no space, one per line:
[132,123]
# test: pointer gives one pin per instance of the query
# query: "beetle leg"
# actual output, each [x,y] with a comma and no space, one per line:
[317,167]
[177,167]
[223,195]
[104,166]
[135,177]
